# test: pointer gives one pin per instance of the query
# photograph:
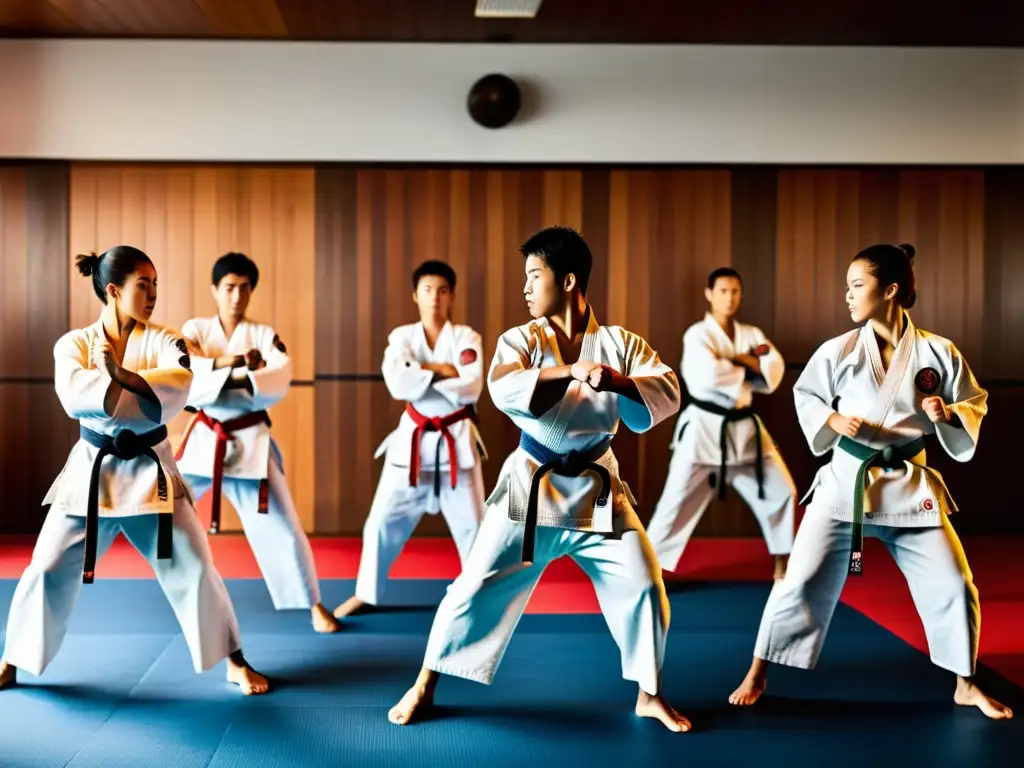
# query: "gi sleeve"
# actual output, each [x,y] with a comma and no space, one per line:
[773,367]
[207,383]
[704,371]
[467,387]
[80,387]
[404,377]
[271,383]
[656,382]
[169,381]
[966,400]
[512,378]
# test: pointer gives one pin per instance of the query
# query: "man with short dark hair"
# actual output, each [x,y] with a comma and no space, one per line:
[432,461]
[566,381]
[719,440]
[241,369]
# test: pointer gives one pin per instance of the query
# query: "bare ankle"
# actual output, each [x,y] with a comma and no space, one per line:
[236,659]
[426,681]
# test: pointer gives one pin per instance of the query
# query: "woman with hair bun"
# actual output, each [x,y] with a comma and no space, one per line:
[122,378]
[871,396]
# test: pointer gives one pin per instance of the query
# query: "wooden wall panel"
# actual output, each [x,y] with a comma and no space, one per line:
[374,227]
[184,218]
[35,434]
[1003,266]
[655,234]
[826,217]
[667,231]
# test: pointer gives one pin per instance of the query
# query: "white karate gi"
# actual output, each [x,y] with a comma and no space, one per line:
[906,508]
[477,616]
[397,504]
[129,502]
[710,376]
[278,542]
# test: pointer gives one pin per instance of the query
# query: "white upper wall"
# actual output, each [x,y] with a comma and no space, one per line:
[281,101]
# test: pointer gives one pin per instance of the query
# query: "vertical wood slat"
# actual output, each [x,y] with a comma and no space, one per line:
[185,217]
[1003,316]
[35,433]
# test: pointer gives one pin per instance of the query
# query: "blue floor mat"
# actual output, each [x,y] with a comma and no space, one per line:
[122,692]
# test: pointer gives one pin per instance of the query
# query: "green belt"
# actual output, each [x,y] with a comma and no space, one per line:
[890,457]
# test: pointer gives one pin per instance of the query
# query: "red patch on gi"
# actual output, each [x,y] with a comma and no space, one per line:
[927,380]
[761,350]
[927,505]
[467,356]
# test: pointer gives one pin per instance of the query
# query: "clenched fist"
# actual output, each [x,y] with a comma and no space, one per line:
[935,409]
[848,426]
[598,376]
[102,356]
[254,360]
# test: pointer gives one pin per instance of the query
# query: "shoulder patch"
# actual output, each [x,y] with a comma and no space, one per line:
[279,345]
[927,381]
[467,357]
[761,350]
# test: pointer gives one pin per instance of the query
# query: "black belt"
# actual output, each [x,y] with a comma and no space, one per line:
[730,415]
[125,445]
[571,464]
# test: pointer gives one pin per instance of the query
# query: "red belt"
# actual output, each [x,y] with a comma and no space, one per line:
[436,424]
[222,430]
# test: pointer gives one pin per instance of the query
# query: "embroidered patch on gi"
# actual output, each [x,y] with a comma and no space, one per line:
[927,505]
[927,381]
[761,350]
[467,357]
[279,345]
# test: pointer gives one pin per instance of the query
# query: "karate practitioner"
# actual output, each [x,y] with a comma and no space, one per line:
[871,396]
[719,440]
[436,368]
[241,369]
[122,378]
[566,381]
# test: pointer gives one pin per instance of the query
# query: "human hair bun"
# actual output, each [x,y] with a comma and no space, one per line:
[87,264]
[908,249]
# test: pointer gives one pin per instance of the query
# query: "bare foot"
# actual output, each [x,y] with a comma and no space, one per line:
[781,561]
[753,685]
[969,695]
[349,607]
[323,621]
[8,673]
[248,679]
[656,707]
[417,701]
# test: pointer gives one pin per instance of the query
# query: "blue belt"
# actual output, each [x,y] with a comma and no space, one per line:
[571,464]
